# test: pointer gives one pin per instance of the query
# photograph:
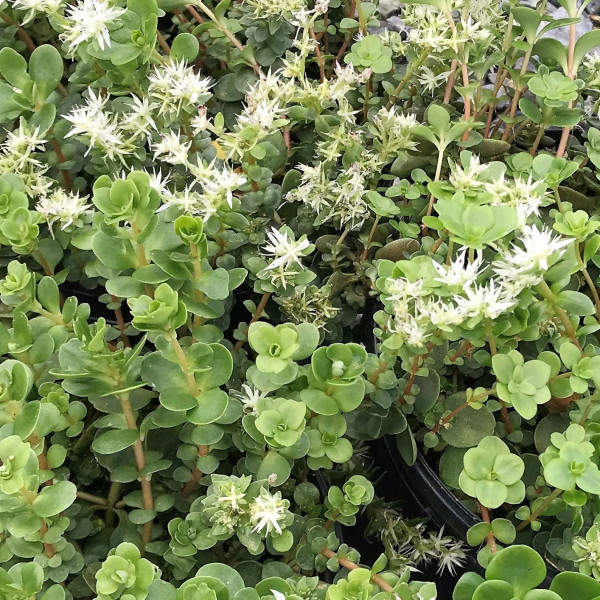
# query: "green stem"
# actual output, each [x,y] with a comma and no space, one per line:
[588,280]
[225,31]
[410,71]
[562,315]
[140,461]
[540,509]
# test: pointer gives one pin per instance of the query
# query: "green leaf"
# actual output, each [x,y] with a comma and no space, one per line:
[575,586]
[521,566]
[124,287]
[46,69]
[13,68]
[469,426]
[274,463]
[43,119]
[212,405]
[405,442]
[530,110]
[588,41]
[215,284]
[114,441]
[478,533]
[54,499]
[438,119]
[529,19]
[466,586]
[591,247]
[553,49]
[504,530]
[224,573]
[576,303]
[48,295]
[185,47]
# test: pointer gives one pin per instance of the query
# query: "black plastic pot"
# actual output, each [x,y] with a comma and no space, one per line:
[420,484]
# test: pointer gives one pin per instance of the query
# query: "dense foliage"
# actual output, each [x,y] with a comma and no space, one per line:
[198,204]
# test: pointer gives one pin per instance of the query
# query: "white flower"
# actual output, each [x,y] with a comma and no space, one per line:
[223,183]
[172,149]
[262,115]
[592,61]
[62,206]
[488,301]
[313,188]
[441,313]
[187,200]
[249,397]
[140,119]
[285,250]
[403,289]
[278,595]
[430,80]
[538,246]
[410,329]
[274,8]
[200,122]
[515,279]
[463,179]
[460,272]
[234,498]
[176,86]
[449,552]
[35,7]
[159,181]
[20,144]
[90,20]
[267,511]
[91,121]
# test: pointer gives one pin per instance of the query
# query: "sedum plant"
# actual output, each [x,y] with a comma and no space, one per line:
[202,206]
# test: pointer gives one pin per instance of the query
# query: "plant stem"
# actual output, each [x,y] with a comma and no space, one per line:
[450,82]
[490,538]
[559,203]
[195,14]
[410,70]
[61,159]
[92,498]
[446,420]
[141,254]
[564,137]
[163,43]
[588,280]
[493,351]
[538,139]
[48,548]
[197,265]
[344,562]
[517,96]
[540,509]
[318,55]
[259,311]
[140,461]
[111,501]
[438,172]
[562,315]
[195,391]
[490,336]
[363,256]
[367,96]
[121,322]
[223,28]
[464,347]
